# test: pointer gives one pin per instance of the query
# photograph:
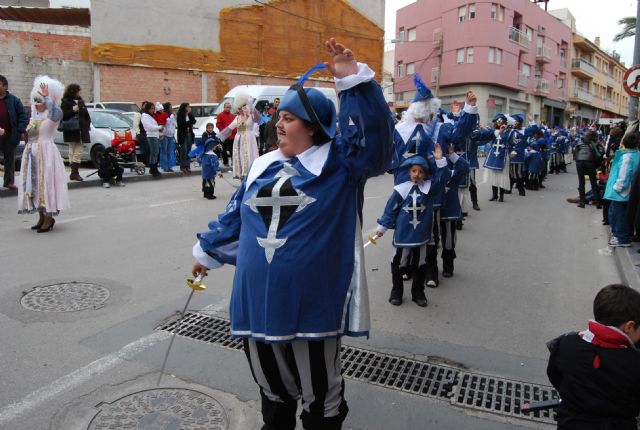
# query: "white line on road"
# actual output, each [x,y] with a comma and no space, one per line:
[82,375]
[80,218]
[175,202]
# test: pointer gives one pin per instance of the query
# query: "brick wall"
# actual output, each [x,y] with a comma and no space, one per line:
[28,50]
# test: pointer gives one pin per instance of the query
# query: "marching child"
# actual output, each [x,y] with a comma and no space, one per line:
[205,154]
[409,212]
[597,371]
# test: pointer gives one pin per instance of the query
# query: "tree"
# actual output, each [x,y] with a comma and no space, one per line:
[628,28]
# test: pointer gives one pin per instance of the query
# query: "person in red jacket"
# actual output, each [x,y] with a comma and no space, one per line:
[224,119]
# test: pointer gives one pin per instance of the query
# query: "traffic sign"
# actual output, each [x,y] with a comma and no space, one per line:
[631,81]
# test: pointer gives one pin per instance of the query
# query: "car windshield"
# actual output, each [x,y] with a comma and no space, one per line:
[220,107]
[110,120]
[125,107]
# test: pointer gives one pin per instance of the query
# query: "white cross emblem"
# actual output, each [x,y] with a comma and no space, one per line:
[276,202]
[417,139]
[497,147]
[415,208]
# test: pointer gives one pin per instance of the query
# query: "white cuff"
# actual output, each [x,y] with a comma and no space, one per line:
[441,163]
[470,109]
[364,74]
[454,158]
[204,258]
[382,229]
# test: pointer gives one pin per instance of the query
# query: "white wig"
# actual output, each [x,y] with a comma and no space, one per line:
[56,90]
[423,111]
[240,100]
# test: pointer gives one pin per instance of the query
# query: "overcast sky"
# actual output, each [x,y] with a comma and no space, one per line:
[593,18]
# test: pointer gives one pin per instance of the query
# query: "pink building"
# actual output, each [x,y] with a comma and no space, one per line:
[511,53]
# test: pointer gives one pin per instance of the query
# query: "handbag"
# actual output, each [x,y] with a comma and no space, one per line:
[71,124]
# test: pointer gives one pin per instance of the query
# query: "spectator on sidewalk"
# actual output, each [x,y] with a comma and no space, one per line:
[168,147]
[13,123]
[225,118]
[110,169]
[73,106]
[152,130]
[587,155]
[623,169]
[140,133]
[185,121]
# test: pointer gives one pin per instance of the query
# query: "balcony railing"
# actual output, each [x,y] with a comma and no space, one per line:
[583,65]
[541,85]
[519,37]
[543,52]
[610,105]
[523,80]
[581,94]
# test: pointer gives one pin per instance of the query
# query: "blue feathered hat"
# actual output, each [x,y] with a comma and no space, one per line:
[415,160]
[311,105]
[500,116]
[519,117]
[422,90]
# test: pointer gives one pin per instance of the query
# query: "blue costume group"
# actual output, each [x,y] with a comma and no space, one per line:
[293,231]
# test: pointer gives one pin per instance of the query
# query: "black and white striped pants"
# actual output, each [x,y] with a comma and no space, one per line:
[307,369]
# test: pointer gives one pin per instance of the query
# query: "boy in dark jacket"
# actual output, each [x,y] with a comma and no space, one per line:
[597,371]
[109,168]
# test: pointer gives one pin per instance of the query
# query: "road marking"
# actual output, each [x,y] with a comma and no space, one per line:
[175,202]
[82,375]
[80,218]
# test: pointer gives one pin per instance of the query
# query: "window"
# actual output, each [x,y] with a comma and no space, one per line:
[400,69]
[472,11]
[529,33]
[411,34]
[498,56]
[411,68]
[500,13]
[469,55]
[560,83]
[492,55]
[460,56]
[462,12]
[401,34]
[494,11]
[526,70]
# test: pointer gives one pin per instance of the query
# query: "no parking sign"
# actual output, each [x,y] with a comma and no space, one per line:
[631,81]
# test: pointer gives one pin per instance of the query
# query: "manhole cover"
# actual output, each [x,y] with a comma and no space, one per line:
[66,297]
[162,409]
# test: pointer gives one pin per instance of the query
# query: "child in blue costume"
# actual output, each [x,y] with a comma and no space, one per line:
[206,155]
[409,211]
[293,231]
[497,163]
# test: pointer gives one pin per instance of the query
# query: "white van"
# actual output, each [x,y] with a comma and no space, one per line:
[260,94]
[201,111]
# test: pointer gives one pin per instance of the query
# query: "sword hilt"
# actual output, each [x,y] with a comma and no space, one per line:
[196,283]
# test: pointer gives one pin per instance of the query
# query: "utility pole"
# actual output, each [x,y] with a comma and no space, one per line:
[633,101]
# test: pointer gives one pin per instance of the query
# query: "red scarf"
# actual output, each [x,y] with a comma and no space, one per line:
[605,336]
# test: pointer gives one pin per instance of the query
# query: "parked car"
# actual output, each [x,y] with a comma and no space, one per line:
[201,111]
[120,106]
[103,124]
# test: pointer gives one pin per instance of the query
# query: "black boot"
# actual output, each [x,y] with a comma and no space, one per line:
[431,272]
[459,224]
[395,298]
[473,192]
[153,169]
[520,185]
[417,287]
[447,267]
[581,193]
[502,192]
[494,198]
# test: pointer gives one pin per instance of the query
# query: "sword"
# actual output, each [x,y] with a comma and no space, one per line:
[195,285]
[373,240]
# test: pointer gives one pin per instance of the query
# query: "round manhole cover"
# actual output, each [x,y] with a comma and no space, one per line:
[162,409]
[66,297]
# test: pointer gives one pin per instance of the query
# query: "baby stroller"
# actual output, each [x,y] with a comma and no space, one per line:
[125,146]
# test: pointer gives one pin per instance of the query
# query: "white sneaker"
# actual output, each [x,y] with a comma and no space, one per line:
[106,185]
[613,241]
[120,184]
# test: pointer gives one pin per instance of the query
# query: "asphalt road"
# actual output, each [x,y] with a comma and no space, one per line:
[527,271]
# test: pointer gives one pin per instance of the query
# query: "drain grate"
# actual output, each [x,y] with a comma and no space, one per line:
[167,409]
[460,388]
[65,297]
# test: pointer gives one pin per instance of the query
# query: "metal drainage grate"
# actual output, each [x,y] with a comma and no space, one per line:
[460,388]
[168,409]
[65,297]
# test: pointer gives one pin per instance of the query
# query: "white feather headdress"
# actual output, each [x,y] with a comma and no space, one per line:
[56,90]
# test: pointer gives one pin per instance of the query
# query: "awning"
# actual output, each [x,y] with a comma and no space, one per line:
[80,17]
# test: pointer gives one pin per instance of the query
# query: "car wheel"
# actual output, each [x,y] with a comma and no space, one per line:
[96,154]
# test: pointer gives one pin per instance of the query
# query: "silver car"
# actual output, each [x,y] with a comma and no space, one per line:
[104,123]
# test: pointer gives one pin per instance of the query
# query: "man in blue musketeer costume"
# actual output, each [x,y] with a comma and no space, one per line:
[518,141]
[293,231]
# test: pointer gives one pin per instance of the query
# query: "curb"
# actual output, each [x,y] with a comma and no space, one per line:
[95,181]
[626,267]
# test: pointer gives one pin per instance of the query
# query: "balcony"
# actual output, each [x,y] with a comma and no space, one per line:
[582,95]
[543,54]
[610,105]
[523,80]
[612,81]
[541,86]
[583,68]
[519,37]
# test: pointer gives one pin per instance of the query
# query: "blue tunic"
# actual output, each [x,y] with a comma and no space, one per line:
[293,232]
[459,168]
[496,157]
